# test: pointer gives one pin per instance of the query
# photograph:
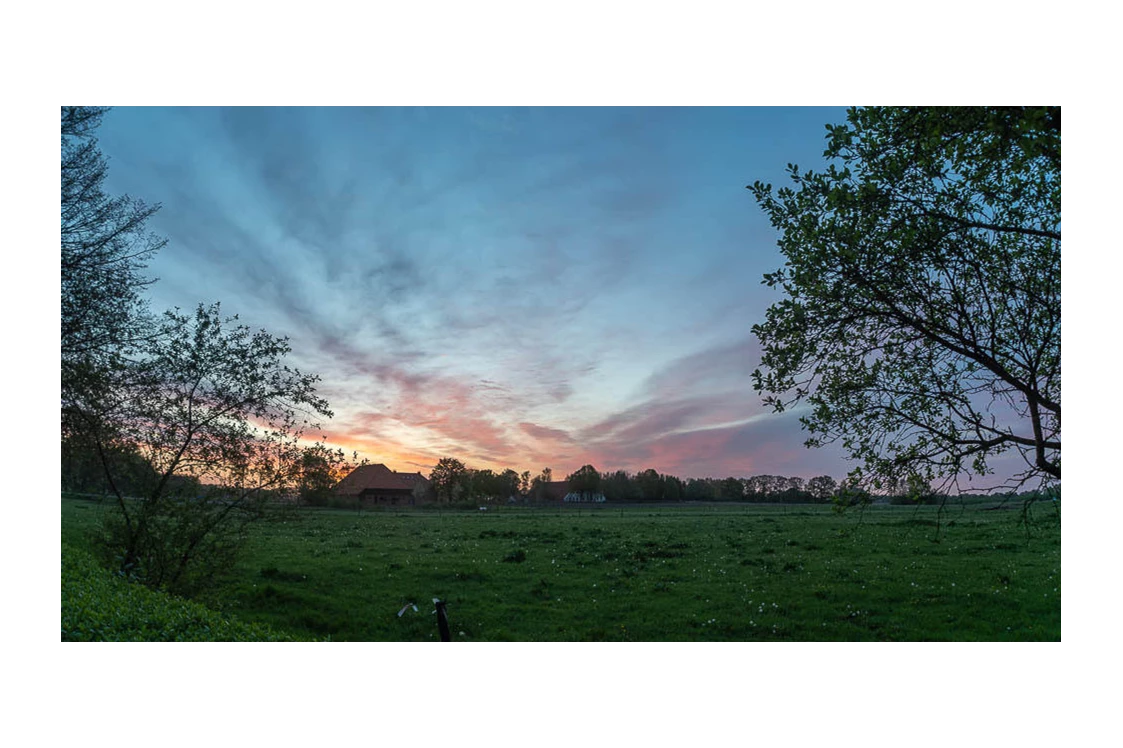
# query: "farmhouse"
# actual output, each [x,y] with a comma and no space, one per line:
[378,484]
[584,497]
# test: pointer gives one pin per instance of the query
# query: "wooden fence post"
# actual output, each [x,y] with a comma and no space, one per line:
[442,620]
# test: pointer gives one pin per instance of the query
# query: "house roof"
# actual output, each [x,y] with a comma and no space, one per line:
[556,490]
[377,478]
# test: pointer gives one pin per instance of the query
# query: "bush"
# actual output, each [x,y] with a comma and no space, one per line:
[100,606]
[175,543]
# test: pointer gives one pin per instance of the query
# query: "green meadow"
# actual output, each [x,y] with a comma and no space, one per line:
[693,573]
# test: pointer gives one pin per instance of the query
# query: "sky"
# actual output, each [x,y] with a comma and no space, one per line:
[524,288]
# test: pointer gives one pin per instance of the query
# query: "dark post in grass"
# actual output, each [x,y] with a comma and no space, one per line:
[442,620]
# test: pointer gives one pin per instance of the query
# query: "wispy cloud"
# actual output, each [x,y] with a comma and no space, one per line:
[546,434]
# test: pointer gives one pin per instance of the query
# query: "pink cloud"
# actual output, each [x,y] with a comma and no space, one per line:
[769,445]
[546,433]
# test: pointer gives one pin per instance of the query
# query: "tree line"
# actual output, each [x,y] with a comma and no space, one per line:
[652,486]
[452,481]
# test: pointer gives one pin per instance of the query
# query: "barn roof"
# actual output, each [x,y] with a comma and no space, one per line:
[556,490]
[377,478]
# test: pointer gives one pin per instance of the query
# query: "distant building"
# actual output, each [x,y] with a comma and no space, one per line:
[588,497]
[378,484]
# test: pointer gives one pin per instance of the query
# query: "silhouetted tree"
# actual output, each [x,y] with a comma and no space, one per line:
[699,490]
[763,486]
[584,480]
[538,484]
[508,484]
[482,484]
[731,490]
[650,485]
[822,487]
[673,488]
[449,478]
[618,486]
[321,468]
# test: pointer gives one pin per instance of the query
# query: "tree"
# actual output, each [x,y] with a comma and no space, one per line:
[538,484]
[699,490]
[483,484]
[763,486]
[822,487]
[650,485]
[321,468]
[449,478]
[508,484]
[584,480]
[618,486]
[105,246]
[213,417]
[731,489]
[921,318]
[673,488]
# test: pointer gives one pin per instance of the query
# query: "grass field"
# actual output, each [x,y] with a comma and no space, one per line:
[742,573]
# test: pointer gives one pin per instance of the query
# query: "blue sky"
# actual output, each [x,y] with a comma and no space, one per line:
[517,288]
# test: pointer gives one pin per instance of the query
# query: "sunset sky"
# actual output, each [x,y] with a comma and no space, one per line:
[512,287]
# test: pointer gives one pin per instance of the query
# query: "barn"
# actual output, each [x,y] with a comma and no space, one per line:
[378,484]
